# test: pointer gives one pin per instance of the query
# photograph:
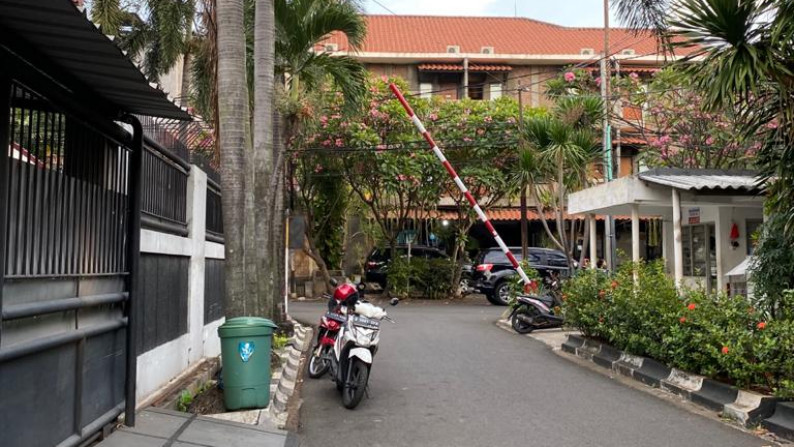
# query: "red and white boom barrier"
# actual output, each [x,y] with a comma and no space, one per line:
[459,182]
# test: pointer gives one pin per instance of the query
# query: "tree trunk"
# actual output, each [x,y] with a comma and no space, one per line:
[524,226]
[184,94]
[234,142]
[585,240]
[262,275]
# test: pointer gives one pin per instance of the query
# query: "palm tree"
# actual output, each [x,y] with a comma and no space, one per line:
[234,145]
[567,147]
[300,26]
[160,34]
[740,52]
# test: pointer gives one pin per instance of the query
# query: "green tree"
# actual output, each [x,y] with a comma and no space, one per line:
[737,52]
[566,146]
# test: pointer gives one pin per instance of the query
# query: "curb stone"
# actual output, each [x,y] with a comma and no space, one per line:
[781,422]
[746,408]
[283,385]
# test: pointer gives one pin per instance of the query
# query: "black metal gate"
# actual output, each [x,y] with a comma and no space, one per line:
[64,271]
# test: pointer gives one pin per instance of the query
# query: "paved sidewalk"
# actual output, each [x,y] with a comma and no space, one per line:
[156,427]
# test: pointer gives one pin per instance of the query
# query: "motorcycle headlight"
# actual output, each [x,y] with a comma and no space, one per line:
[363,337]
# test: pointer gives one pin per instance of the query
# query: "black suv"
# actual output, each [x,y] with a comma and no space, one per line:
[493,271]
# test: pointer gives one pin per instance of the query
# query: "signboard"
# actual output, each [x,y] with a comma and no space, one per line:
[694,216]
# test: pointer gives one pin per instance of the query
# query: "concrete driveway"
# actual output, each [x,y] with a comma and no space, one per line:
[445,375]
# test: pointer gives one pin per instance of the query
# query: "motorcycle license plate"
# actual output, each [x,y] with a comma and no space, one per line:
[336,317]
[365,322]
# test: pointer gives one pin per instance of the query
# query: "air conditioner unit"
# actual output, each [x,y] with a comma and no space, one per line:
[453,49]
[587,52]
[486,50]
[331,47]
[628,52]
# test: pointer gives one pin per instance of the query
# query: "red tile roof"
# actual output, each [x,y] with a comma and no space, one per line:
[507,35]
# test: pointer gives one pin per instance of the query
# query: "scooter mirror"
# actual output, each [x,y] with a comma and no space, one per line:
[394,301]
[333,282]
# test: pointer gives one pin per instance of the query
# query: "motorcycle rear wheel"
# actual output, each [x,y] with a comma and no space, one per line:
[356,386]
[520,326]
[318,365]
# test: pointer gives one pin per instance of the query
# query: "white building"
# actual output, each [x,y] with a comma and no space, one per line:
[708,218]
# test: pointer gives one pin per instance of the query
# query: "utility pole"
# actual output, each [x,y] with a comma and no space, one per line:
[523,195]
[609,224]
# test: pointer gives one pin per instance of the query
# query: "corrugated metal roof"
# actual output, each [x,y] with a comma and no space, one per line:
[61,33]
[703,179]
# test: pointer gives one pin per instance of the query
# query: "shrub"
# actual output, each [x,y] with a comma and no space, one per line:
[714,335]
[429,278]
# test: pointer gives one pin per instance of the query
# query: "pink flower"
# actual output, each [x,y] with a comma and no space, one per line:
[511,120]
[467,139]
[339,142]
[380,148]
[318,168]
[772,124]
[401,177]
[598,81]
[569,76]
[488,119]
[324,119]
[384,78]
[327,142]
[432,117]
[634,76]
[709,141]
[480,131]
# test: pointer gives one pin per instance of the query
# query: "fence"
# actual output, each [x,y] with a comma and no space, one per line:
[64,279]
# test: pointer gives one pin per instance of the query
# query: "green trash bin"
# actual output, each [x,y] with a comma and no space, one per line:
[245,356]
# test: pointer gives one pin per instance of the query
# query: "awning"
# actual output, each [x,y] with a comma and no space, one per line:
[714,180]
[459,67]
[62,34]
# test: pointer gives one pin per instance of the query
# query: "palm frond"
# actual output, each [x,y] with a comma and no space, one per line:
[108,15]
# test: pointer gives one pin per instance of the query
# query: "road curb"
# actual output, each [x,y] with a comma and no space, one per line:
[288,375]
[744,407]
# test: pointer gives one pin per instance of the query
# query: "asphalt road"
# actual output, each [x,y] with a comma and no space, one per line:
[445,375]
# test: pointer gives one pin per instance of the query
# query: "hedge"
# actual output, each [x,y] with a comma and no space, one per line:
[714,335]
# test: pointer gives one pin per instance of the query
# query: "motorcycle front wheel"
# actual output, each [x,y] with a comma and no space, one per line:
[356,384]
[318,362]
[520,326]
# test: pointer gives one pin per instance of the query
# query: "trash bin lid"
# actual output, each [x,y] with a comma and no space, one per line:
[244,326]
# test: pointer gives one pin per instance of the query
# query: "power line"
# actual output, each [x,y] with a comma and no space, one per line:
[384,6]
[594,59]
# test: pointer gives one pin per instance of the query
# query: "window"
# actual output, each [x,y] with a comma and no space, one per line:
[426,90]
[486,50]
[331,47]
[495,91]
[453,49]
[628,52]
[587,52]
[752,226]
[700,252]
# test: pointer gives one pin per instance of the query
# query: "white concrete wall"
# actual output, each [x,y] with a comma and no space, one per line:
[164,363]
[723,217]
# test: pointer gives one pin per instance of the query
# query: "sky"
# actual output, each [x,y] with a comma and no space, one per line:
[568,13]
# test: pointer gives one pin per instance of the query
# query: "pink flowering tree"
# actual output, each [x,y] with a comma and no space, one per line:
[682,133]
[389,169]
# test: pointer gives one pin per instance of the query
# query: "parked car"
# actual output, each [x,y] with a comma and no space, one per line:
[493,271]
[377,266]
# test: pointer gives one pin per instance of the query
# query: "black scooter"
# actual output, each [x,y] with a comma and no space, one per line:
[532,312]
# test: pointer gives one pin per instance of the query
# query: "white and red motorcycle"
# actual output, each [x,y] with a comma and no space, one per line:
[356,343]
